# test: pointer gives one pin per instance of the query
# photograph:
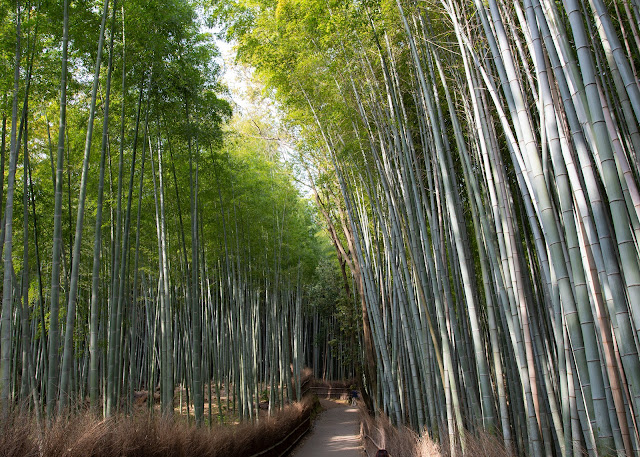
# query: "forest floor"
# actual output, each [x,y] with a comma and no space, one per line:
[225,413]
[335,432]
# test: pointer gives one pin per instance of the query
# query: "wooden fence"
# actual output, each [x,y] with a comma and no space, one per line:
[286,444]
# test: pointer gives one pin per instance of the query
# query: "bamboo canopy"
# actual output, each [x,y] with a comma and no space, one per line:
[482,160]
[475,167]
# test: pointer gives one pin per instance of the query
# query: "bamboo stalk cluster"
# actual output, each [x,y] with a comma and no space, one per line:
[157,296]
[482,162]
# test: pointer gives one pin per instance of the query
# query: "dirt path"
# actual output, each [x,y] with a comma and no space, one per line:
[334,433]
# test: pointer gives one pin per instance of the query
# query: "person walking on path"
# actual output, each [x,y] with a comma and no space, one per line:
[353,396]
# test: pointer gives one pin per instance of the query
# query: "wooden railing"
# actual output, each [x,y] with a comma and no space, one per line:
[287,443]
[364,431]
[282,447]
[306,385]
[329,392]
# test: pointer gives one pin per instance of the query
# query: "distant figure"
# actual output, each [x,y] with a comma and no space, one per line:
[382,453]
[353,396]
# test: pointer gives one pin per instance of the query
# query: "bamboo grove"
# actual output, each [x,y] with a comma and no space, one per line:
[153,245]
[477,167]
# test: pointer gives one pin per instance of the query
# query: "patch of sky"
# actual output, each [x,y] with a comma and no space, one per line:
[249,97]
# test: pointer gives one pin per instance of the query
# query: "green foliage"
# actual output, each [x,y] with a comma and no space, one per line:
[266,219]
[167,111]
[338,314]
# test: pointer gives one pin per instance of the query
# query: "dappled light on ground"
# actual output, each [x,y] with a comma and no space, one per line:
[335,432]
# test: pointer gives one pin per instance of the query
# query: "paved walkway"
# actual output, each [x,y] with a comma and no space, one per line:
[335,433]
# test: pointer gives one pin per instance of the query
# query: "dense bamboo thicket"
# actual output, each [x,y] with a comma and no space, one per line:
[170,253]
[477,166]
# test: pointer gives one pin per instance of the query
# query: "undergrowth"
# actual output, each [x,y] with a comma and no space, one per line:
[85,435]
[378,433]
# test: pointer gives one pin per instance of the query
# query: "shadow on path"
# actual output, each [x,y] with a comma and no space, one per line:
[334,433]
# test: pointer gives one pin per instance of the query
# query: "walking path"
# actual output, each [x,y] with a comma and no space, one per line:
[335,433]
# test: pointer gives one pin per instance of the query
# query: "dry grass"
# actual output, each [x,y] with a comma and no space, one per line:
[142,435]
[306,374]
[379,433]
[482,444]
